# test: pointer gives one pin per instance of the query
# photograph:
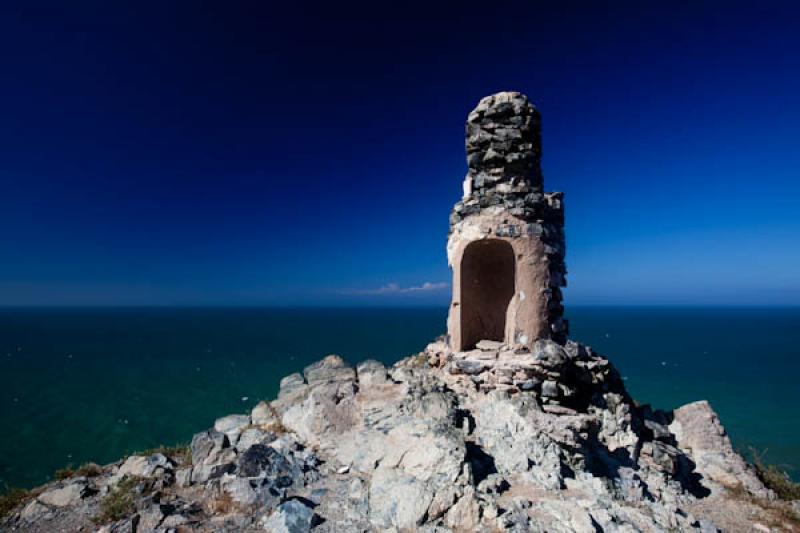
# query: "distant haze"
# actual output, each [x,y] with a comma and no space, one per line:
[237,155]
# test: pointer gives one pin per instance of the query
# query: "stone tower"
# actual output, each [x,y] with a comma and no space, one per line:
[506,241]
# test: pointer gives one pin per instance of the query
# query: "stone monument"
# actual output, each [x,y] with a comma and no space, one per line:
[506,242]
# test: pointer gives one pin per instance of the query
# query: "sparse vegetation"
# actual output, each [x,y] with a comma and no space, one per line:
[181,453]
[120,502]
[775,478]
[778,513]
[85,470]
[222,504]
[13,498]
[419,360]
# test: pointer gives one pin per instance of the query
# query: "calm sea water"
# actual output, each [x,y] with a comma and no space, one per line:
[81,385]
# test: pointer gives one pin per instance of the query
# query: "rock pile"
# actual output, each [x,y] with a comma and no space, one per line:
[500,438]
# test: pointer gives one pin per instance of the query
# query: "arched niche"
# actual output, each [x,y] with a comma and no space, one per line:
[487,286]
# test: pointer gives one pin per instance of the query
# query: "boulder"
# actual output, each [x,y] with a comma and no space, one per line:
[371,373]
[209,447]
[232,425]
[292,516]
[699,432]
[331,368]
[69,494]
[264,415]
[252,436]
[397,499]
[151,466]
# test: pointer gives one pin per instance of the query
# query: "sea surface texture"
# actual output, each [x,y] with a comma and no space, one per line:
[81,385]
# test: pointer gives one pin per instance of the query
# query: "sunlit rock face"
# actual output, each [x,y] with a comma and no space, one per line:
[506,243]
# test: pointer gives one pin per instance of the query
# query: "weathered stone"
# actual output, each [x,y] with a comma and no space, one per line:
[291,384]
[183,477]
[331,368]
[506,242]
[697,428]
[208,447]
[150,466]
[232,425]
[397,500]
[292,516]
[34,511]
[469,366]
[252,436]
[69,494]
[264,415]
[489,345]
[550,389]
[262,460]
[371,373]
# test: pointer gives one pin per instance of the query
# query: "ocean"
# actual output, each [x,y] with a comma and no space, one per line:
[91,384]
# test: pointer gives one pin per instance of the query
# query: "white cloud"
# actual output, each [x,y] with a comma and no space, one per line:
[394,288]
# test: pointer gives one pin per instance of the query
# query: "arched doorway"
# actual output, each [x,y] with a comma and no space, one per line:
[487,285]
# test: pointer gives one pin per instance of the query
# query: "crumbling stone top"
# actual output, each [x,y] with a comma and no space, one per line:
[503,140]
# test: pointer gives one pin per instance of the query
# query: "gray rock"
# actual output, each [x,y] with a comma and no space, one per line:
[264,415]
[397,499]
[550,389]
[240,490]
[252,436]
[183,477]
[489,345]
[292,516]
[208,447]
[331,368]
[371,373]
[469,366]
[35,511]
[232,425]
[62,496]
[260,460]
[550,353]
[150,466]
[697,428]
[291,384]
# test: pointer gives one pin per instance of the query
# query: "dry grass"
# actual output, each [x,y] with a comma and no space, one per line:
[85,470]
[222,504]
[120,502]
[418,361]
[778,513]
[13,498]
[180,453]
[775,478]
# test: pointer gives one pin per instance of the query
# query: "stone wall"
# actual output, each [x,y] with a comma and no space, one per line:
[504,187]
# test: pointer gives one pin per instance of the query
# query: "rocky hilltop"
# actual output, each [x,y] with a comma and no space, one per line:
[527,432]
[499,438]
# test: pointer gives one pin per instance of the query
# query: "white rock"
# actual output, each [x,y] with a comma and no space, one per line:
[232,425]
[64,496]
[397,500]
[263,415]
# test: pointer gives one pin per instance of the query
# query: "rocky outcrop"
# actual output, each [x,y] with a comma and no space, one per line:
[500,438]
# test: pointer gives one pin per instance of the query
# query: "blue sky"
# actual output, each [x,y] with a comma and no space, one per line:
[199,154]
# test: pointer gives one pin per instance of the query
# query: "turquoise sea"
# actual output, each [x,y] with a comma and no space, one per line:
[81,385]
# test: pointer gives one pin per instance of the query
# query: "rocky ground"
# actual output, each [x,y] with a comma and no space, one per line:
[495,439]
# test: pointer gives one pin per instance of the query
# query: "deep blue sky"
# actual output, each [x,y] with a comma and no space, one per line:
[190,153]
